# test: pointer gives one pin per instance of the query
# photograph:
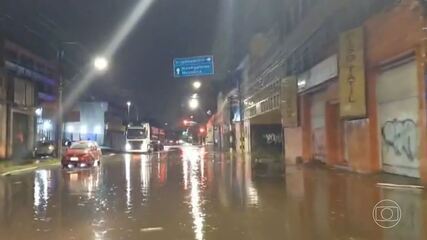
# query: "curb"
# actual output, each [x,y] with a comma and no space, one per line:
[8,173]
[399,186]
[18,171]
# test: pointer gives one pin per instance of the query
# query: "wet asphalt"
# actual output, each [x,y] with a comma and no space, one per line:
[195,193]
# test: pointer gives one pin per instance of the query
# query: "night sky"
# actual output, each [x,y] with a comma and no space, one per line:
[142,68]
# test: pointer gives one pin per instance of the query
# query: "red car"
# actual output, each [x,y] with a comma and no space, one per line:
[82,154]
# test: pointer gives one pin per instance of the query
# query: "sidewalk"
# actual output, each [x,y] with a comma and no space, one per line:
[381,179]
[8,167]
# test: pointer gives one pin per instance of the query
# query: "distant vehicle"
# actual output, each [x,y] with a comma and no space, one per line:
[44,149]
[144,138]
[171,143]
[82,154]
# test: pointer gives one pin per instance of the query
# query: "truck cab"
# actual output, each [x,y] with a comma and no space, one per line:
[144,138]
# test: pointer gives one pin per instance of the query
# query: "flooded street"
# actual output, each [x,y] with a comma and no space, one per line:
[200,194]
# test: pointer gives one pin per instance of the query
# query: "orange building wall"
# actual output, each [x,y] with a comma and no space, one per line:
[293,144]
[305,106]
[387,35]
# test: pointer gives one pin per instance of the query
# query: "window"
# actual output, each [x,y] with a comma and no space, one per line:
[23,92]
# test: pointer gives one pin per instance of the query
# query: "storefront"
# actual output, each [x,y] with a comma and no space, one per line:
[397,99]
[21,133]
[317,89]
[45,127]
[318,130]
[263,126]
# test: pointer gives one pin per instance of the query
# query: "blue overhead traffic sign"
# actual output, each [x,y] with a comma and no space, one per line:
[193,66]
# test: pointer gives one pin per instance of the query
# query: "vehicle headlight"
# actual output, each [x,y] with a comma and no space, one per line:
[128,146]
[50,147]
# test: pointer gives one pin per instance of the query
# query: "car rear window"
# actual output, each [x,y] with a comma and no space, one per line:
[79,146]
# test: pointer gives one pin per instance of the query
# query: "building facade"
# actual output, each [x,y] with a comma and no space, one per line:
[97,121]
[344,87]
[28,84]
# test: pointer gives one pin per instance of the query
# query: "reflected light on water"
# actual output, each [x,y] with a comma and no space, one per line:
[41,193]
[128,181]
[192,157]
[185,165]
[196,211]
[202,162]
[251,191]
[145,176]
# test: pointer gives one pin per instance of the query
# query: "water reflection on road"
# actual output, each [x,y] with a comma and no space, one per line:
[199,194]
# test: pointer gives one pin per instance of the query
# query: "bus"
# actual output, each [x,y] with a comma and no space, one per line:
[144,138]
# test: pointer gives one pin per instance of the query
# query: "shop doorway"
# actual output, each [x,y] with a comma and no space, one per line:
[318,130]
[20,141]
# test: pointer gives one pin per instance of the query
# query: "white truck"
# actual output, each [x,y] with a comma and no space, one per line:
[144,138]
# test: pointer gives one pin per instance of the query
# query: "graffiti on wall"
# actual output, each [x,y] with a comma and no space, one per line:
[266,140]
[401,137]
[273,138]
[319,146]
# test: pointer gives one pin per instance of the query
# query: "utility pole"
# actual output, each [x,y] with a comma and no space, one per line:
[241,112]
[60,58]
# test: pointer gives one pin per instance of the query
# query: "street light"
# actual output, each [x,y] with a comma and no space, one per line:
[100,63]
[197,85]
[193,103]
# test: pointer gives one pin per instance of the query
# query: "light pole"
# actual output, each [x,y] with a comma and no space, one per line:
[128,103]
[100,64]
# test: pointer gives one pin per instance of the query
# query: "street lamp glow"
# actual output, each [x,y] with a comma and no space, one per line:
[100,63]
[193,103]
[39,112]
[70,129]
[197,85]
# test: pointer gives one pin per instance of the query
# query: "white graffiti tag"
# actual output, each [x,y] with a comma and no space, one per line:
[401,136]
[272,138]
